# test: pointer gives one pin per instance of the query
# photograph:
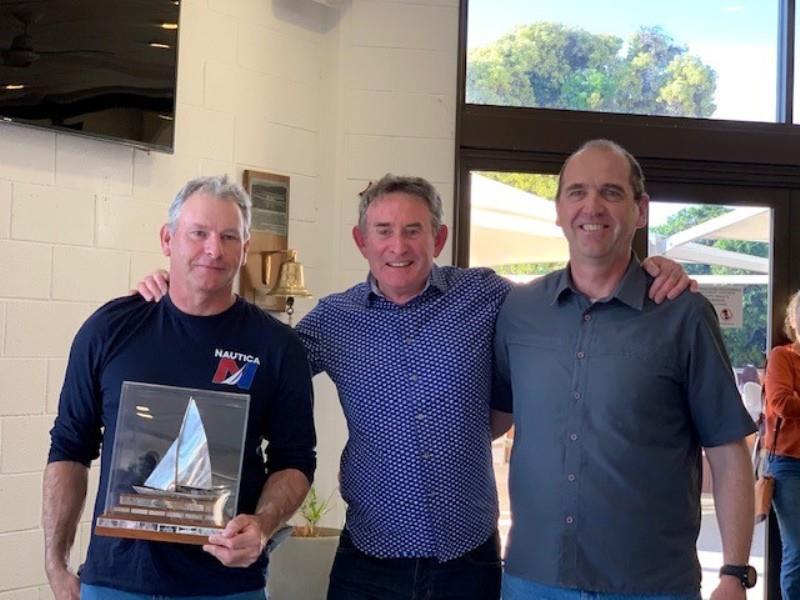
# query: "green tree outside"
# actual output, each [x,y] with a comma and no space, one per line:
[550,65]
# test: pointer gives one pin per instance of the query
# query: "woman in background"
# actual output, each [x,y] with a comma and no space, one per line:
[783,442]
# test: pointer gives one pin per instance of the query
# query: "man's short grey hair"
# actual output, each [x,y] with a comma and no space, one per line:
[219,186]
[413,186]
[636,173]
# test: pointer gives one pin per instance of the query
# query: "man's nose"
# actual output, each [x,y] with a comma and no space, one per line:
[593,202]
[398,244]
[213,246]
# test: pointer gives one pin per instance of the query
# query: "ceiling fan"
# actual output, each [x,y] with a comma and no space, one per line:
[21,52]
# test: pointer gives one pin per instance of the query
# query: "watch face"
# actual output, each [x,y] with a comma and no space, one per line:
[751,576]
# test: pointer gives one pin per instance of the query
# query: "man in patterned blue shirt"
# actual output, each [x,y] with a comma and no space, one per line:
[410,353]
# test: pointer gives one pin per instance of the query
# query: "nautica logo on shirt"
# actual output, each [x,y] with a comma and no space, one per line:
[231,371]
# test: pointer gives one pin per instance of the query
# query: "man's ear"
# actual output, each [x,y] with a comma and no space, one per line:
[360,239]
[245,250]
[439,240]
[166,238]
[644,208]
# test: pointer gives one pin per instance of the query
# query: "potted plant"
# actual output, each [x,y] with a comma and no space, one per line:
[300,564]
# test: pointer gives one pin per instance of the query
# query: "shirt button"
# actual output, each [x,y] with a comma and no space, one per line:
[426,455]
[413,377]
[580,354]
[573,436]
[571,477]
[570,520]
[420,417]
[587,317]
[576,395]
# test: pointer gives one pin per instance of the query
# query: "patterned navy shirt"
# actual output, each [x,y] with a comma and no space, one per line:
[415,383]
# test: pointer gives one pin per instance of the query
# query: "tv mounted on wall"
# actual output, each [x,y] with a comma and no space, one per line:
[102,68]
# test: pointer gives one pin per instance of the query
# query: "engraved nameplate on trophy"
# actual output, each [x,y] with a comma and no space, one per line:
[175,464]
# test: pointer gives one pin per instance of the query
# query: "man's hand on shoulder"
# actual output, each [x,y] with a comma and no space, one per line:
[154,286]
[670,279]
[65,584]
[240,544]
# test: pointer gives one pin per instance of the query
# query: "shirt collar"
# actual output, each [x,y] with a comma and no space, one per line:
[436,280]
[631,289]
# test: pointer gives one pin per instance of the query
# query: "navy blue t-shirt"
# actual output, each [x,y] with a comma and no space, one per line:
[129,339]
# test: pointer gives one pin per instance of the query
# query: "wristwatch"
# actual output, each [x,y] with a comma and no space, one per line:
[745,574]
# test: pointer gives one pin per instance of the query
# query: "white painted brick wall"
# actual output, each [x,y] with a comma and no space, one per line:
[46,213]
[20,497]
[78,167]
[25,269]
[368,155]
[56,367]
[24,387]
[391,24]
[5,209]
[332,98]
[126,224]
[18,565]
[42,329]
[107,277]
[23,594]
[28,155]
[24,444]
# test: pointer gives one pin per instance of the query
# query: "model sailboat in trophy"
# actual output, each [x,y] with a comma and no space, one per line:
[178,501]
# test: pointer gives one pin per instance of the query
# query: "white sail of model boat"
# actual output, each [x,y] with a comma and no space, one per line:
[187,464]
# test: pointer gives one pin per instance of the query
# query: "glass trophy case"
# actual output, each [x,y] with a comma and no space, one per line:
[175,464]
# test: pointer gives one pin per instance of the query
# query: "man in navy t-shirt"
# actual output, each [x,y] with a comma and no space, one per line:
[197,338]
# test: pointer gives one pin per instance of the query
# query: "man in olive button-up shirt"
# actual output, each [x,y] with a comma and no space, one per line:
[613,398]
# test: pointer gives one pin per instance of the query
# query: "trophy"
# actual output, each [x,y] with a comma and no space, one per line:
[175,464]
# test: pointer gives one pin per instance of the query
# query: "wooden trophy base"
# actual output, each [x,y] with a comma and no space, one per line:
[162,518]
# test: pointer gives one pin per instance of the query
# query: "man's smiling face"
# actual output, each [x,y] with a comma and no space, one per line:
[596,208]
[400,244]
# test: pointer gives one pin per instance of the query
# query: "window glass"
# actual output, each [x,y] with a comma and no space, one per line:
[513,224]
[712,59]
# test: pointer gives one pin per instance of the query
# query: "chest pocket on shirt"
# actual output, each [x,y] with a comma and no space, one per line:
[532,357]
[657,359]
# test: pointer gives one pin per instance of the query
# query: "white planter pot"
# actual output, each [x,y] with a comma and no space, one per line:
[300,566]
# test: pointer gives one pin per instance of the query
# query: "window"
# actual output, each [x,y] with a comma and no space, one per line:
[740,156]
[711,59]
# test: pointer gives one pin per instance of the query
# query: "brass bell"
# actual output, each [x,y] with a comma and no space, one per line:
[291,282]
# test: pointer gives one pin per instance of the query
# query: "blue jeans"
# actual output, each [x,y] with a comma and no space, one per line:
[786,502]
[95,592]
[358,576]
[515,588]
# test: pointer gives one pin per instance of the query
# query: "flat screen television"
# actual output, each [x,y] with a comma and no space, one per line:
[102,68]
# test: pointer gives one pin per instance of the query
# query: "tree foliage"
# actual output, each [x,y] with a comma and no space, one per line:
[539,184]
[550,65]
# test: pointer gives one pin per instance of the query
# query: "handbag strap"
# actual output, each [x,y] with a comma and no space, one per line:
[771,453]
